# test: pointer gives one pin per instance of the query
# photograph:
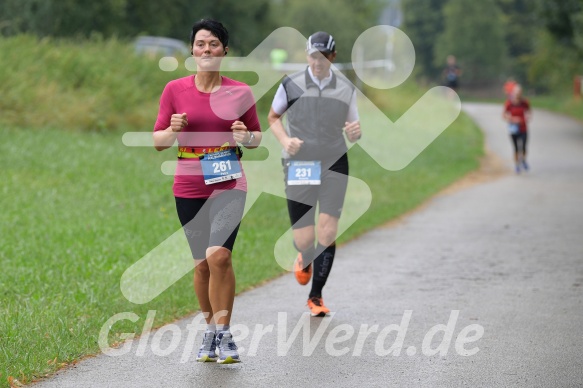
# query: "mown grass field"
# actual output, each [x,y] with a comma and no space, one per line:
[563,101]
[78,207]
[566,104]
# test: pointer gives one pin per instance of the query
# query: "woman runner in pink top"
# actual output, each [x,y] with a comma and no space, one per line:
[208,114]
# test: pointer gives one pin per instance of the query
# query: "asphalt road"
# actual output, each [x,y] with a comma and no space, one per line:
[481,287]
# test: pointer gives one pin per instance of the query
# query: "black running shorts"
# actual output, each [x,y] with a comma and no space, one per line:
[212,222]
[329,195]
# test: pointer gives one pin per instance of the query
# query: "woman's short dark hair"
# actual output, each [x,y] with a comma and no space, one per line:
[216,28]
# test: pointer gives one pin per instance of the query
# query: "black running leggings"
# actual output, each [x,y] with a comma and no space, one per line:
[211,222]
[519,141]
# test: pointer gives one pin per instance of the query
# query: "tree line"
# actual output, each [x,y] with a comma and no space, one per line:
[537,42]
[248,22]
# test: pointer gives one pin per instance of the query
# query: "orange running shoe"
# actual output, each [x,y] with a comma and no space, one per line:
[317,307]
[303,275]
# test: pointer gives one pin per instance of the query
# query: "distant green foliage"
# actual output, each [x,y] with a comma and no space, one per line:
[80,85]
[552,66]
[538,42]
[520,26]
[99,85]
[423,23]
[344,19]
[476,41]
[558,49]
[563,19]
[247,21]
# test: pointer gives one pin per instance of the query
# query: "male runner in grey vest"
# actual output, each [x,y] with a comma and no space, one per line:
[320,106]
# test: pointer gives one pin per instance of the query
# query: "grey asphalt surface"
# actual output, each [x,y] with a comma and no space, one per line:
[505,253]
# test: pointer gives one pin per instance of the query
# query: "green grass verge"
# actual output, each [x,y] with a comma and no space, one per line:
[78,208]
[565,104]
[559,102]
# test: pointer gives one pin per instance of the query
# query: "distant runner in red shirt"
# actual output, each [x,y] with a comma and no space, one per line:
[517,113]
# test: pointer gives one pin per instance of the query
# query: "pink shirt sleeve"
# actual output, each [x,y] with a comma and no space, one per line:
[166,109]
[250,118]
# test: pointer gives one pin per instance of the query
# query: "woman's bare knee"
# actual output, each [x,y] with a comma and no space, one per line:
[219,258]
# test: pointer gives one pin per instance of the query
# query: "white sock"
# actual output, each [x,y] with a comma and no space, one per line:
[212,327]
[222,328]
